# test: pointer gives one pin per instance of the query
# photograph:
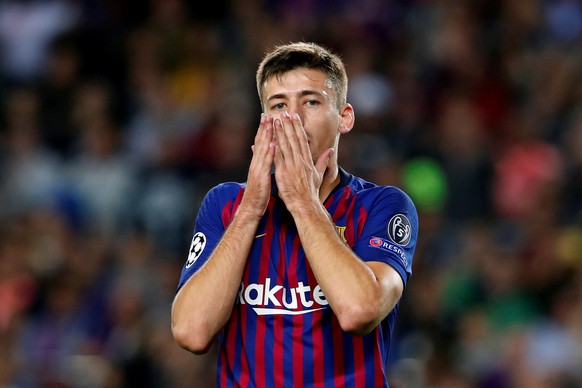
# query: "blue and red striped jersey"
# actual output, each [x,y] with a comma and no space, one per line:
[282,332]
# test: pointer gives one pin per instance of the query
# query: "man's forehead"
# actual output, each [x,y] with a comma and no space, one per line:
[297,81]
[300,75]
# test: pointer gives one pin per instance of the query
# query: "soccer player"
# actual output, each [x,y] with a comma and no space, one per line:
[298,272]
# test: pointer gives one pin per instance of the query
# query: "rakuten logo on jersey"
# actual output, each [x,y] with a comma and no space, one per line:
[276,300]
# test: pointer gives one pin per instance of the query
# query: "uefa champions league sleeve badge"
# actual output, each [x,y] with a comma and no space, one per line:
[399,229]
[196,248]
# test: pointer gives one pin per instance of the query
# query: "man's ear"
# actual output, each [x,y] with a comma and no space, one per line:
[347,119]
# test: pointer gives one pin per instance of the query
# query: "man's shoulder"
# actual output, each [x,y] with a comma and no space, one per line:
[225,190]
[229,186]
[359,184]
[375,192]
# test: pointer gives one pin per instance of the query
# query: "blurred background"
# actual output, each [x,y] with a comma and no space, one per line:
[117,116]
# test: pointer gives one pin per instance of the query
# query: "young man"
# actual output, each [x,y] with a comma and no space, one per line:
[298,272]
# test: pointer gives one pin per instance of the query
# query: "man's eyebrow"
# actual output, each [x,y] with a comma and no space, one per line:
[302,93]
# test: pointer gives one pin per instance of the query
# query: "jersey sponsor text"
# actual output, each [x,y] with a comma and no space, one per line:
[268,299]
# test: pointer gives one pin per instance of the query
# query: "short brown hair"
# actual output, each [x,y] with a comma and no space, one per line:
[307,55]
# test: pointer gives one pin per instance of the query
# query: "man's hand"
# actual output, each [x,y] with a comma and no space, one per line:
[204,304]
[298,178]
[258,190]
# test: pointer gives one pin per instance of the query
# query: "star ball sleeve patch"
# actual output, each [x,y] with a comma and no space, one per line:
[209,227]
[196,248]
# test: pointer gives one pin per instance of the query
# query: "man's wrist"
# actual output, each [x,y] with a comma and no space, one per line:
[248,212]
[308,210]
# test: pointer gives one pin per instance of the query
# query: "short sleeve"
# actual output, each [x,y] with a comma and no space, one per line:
[390,231]
[209,228]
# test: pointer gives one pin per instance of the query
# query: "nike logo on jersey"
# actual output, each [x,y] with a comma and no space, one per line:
[260,235]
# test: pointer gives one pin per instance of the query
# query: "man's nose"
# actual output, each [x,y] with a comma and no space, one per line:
[295,110]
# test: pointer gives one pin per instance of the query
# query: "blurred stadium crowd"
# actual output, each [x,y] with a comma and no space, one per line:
[116,117]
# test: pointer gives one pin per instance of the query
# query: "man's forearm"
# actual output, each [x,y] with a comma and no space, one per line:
[360,299]
[203,305]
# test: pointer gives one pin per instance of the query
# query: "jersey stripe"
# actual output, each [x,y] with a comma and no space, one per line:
[261,341]
[249,334]
[363,215]
[295,373]
[358,361]
[375,374]
[232,346]
[229,335]
[242,362]
[278,349]
[338,353]
[350,221]
[317,368]
[226,212]
[326,353]
[222,365]
[340,206]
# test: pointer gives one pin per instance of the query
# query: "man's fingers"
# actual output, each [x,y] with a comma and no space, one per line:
[260,129]
[300,135]
[291,138]
[294,133]
[264,136]
[283,146]
[265,130]
[263,153]
[279,141]
[267,133]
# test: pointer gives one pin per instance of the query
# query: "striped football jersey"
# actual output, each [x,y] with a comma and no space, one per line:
[282,331]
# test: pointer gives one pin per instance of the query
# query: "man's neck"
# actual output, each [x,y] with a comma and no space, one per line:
[331,179]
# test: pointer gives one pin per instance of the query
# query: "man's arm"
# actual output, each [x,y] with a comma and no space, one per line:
[360,293]
[203,305]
